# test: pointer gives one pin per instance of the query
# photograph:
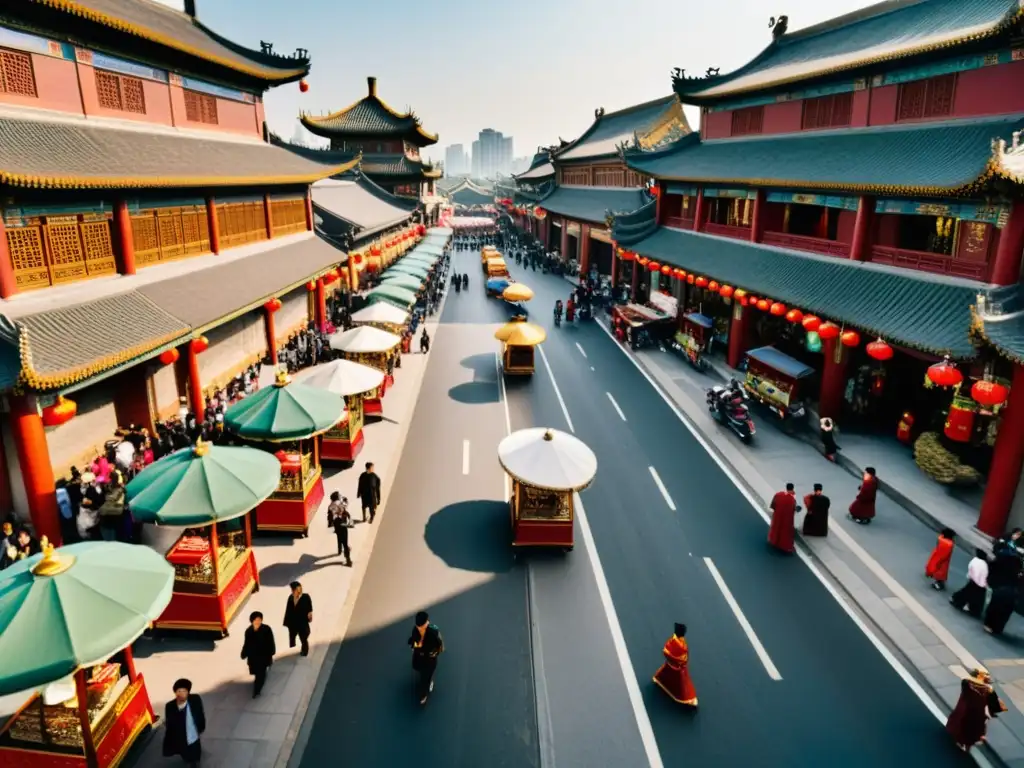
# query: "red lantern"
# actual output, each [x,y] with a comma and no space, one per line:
[726,291]
[945,373]
[811,323]
[763,305]
[794,315]
[357,259]
[701,282]
[303,86]
[990,393]
[272,305]
[540,214]
[879,350]
[690,279]
[200,344]
[169,356]
[375,250]
[421,230]
[641,260]
[666,269]
[827,331]
[311,286]
[653,266]
[714,287]
[61,412]
[628,256]
[850,339]
[778,309]
[679,273]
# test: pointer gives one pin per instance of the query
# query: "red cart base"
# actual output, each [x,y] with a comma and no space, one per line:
[293,515]
[211,613]
[341,450]
[529,533]
[373,406]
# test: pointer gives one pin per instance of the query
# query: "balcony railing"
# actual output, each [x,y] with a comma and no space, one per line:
[804,243]
[727,230]
[678,222]
[929,262]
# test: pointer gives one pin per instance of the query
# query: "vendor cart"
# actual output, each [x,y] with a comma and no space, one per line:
[774,379]
[692,341]
[640,326]
[287,420]
[383,315]
[547,468]
[68,619]
[518,341]
[352,381]
[496,267]
[207,491]
[375,348]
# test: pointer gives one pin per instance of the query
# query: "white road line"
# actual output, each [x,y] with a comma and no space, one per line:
[886,654]
[662,488]
[558,392]
[581,350]
[616,406]
[503,396]
[591,367]
[465,457]
[748,630]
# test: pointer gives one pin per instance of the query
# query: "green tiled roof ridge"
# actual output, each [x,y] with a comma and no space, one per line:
[600,117]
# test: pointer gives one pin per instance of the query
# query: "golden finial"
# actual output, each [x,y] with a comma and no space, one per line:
[200,449]
[52,563]
[549,436]
[282,379]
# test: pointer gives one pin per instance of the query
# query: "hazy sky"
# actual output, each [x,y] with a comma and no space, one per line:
[532,69]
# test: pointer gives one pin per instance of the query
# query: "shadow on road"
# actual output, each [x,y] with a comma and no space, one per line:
[481,390]
[472,536]
[283,574]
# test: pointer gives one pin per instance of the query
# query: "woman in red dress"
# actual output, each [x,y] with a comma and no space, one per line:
[977,703]
[783,530]
[862,510]
[674,677]
[937,568]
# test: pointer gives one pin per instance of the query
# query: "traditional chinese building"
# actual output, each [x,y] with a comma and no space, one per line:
[470,194]
[388,141]
[591,181]
[858,171]
[152,243]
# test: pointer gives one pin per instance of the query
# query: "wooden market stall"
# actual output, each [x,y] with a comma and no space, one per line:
[692,340]
[383,315]
[86,704]
[352,381]
[392,294]
[547,468]
[287,419]
[207,492]
[519,339]
[375,348]
[775,379]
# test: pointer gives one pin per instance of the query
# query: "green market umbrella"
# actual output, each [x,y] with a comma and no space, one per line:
[398,296]
[427,259]
[431,248]
[285,411]
[74,607]
[203,484]
[408,282]
[416,270]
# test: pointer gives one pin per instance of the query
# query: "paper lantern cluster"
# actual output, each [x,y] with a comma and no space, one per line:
[61,412]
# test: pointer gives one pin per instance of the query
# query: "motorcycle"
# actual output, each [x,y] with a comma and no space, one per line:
[727,407]
[558,318]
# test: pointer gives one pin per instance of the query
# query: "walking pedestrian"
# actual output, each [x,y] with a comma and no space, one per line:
[341,523]
[424,341]
[298,614]
[937,568]
[828,438]
[1004,578]
[968,722]
[368,491]
[784,509]
[184,723]
[816,519]
[338,503]
[973,594]
[427,644]
[258,649]
[673,677]
[862,510]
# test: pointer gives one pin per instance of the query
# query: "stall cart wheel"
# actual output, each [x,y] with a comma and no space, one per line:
[567,549]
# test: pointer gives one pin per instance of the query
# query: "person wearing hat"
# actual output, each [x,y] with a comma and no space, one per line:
[673,677]
[978,701]
[184,723]
[258,649]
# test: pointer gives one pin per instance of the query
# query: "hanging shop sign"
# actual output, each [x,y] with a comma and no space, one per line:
[989,214]
[825,201]
[742,194]
[601,234]
[681,189]
[573,228]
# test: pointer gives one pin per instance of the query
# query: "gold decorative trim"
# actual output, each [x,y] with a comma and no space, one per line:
[73,8]
[978,335]
[308,120]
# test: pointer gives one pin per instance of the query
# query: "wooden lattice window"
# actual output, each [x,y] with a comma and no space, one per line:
[926,99]
[145,238]
[288,216]
[172,241]
[241,222]
[609,177]
[16,73]
[747,121]
[65,251]
[835,111]
[28,257]
[120,93]
[200,108]
[99,251]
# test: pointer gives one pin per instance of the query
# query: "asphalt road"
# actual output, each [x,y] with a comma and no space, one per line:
[444,547]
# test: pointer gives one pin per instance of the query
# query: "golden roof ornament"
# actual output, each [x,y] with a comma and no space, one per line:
[52,564]
[549,436]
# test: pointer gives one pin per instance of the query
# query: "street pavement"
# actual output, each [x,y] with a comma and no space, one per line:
[532,669]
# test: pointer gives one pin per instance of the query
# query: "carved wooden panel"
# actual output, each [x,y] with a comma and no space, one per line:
[241,223]
[288,216]
[747,120]
[169,227]
[191,238]
[133,95]
[200,108]
[108,90]
[145,238]
[834,111]
[99,252]
[16,73]
[27,257]
[65,252]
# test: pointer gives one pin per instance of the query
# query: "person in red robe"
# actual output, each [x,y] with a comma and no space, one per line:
[968,722]
[784,509]
[937,568]
[673,677]
[862,510]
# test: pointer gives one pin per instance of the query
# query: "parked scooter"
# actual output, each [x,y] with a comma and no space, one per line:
[727,405]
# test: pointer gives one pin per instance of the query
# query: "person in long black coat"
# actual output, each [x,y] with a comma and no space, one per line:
[258,649]
[427,644]
[1004,578]
[298,613]
[184,723]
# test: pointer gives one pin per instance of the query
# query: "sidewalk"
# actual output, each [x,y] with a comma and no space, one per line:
[881,566]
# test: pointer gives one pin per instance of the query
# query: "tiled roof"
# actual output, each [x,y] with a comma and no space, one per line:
[142,321]
[592,204]
[171,28]
[543,171]
[468,193]
[373,164]
[611,129]
[916,158]
[370,116]
[360,203]
[77,155]
[887,31]
[915,309]
[999,320]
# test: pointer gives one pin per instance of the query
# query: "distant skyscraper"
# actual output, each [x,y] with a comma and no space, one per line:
[494,155]
[505,164]
[455,161]
[476,170]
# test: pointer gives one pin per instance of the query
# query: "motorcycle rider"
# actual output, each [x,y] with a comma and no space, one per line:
[558,312]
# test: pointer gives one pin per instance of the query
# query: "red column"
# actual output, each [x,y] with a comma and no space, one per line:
[268,216]
[658,208]
[123,225]
[29,439]
[739,329]
[615,266]
[1007,462]
[1006,267]
[6,498]
[698,211]
[584,251]
[213,224]
[8,285]
[309,210]
[757,220]
[268,318]
[860,248]
[321,305]
[634,281]
[563,245]
[195,385]
[833,380]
